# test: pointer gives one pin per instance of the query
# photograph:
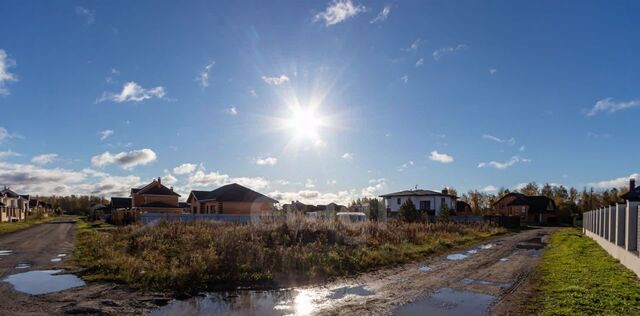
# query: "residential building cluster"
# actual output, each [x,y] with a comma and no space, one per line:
[15,207]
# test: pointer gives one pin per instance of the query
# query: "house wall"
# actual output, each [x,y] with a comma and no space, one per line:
[161,210]
[392,204]
[142,199]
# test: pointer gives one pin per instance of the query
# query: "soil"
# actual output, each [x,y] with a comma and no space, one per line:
[501,270]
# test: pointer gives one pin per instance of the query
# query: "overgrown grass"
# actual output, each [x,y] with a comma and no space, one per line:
[577,277]
[192,257]
[9,227]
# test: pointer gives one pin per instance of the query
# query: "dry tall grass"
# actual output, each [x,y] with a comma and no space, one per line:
[191,257]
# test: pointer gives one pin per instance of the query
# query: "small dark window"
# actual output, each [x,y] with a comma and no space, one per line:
[441,202]
[398,201]
[425,205]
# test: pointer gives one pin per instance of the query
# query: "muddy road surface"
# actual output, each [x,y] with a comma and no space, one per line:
[35,260]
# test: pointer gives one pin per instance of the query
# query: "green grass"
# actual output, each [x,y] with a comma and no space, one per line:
[577,277]
[193,257]
[7,227]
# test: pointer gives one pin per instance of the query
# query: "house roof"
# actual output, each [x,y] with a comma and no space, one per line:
[234,193]
[25,196]
[633,195]
[418,192]
[155,188]
[462,206]
[536,203]
[120,202]
[9,193]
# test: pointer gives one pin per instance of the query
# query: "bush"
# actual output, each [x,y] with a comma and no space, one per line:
[444,216]
[409,213]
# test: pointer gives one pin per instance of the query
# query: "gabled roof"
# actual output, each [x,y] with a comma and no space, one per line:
[155,188]
[419,192]
[120,202]
[633,195]
[25,196]
[9,193]
[233,193]
[536,203]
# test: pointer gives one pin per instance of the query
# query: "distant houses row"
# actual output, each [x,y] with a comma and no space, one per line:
[15,207]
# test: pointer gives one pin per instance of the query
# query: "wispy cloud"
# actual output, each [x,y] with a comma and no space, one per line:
[267,161]
[5,135]
[383,15]
[185,168]
[203,77]
[503,165]
[440,157]
[522,148]
[105,134]
[8,153]
[611,106]
[88,15]
[347,156]
[232,110]
[276,80]
[5,75]
[406,165]
[44,159]
[437,54]
[414,45]
[493,71]
[489,188]
[338,11]
[510,141]
[126,160]
[133,92]
[405,78]
[420,62]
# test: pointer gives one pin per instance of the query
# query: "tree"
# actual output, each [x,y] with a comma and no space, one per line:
[374,209]
[444,215]
[409,213]
[530,188]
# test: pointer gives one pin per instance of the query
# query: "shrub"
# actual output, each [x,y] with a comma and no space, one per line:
[409,213]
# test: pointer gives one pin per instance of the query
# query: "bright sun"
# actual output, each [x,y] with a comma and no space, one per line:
[305,123]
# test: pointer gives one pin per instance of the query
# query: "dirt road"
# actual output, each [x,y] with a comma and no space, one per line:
[33,249]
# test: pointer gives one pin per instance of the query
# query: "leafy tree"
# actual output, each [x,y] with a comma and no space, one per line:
[409,213]
[530,188]
[444,215]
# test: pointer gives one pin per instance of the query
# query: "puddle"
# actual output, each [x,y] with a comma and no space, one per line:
[280,302]
[504,259]
[448,301]
[56,259]
[487,246]
[457,256]
[62,255]
[472,251]
[23,266]
[469,281]
[43,281]
[6,252]
[425,268]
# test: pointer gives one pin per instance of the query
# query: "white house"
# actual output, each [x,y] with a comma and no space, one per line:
[424,200]
[13,207]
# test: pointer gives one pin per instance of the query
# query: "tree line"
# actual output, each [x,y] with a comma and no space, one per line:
[73,203]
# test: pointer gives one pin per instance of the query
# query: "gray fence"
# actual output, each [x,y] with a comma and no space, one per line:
[146,218]
[615,228]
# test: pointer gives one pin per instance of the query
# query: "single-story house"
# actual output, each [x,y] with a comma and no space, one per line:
[428,201]
[536,209]
[230,199]
[155,198]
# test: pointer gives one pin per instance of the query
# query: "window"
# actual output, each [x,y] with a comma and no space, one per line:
[442,202]
[425,205]
[219,207]
[398,201]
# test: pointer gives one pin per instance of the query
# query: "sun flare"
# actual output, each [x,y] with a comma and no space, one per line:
[304,123]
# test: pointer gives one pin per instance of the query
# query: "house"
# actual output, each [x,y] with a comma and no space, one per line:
[535,209]
[634,192]
[425,200]
[463,208]
[13,206]
[120,203]
[155,198]
[230,199]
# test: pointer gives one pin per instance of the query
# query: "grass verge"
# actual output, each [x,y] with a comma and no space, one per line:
[7,227]
[193,257]
[578,277]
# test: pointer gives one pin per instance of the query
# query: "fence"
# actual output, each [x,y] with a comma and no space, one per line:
[146,218]
[615,228]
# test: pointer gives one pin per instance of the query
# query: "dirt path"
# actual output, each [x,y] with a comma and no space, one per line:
[36,246]
[497,271]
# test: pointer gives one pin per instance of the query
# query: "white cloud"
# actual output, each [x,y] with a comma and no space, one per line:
[437,54]
[490,188]
[338,11]
[510,141]
[383,15]
[493,71]
[614,183]
[414,46]
[8,153]
[341,197]
[132,91]
[202,179]
[347,156]
[29,179]
[440,157]
[405,165]
[522,148]
[405,78]
[5,75]
[276,80]
[105,134]
[503,165]
[309,184]
[168,178]
[90,16]
[126,160]
[185,168]
[267,161]
[203,78]
[610,105]
[253,93]
[44,159]
[232,110]
[420,62]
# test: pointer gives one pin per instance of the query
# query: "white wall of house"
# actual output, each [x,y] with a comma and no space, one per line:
[392,204]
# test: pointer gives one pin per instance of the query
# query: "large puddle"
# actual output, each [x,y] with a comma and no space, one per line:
[281,302]
[448,302]
[43,281]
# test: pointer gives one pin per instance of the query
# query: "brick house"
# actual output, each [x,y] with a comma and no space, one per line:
[535,209]
[230,199]
[155,198]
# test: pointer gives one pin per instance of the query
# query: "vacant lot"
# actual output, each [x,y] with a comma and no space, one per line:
[191,257]
[577,277]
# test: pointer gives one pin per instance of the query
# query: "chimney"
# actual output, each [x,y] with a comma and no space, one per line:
[159,181]
[632,184]
[445,190]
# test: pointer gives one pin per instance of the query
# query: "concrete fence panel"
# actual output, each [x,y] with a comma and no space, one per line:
[631,223]
[620,224]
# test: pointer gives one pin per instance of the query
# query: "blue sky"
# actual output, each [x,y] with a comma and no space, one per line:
[317,100]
